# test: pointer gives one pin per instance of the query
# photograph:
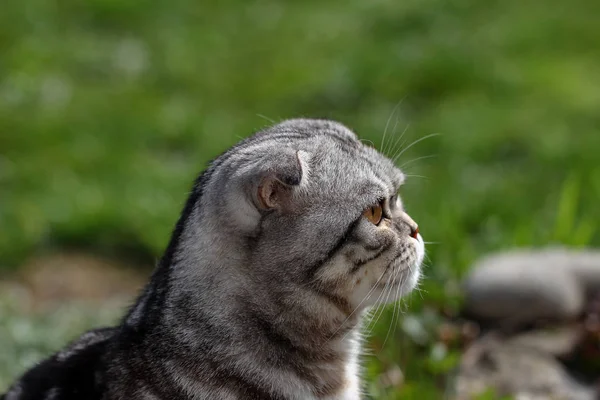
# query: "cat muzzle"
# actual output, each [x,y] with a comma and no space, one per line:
[414,228]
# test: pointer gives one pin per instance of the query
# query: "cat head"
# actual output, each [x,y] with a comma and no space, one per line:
[304,206]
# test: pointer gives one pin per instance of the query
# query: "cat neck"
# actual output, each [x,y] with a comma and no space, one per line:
[206,302]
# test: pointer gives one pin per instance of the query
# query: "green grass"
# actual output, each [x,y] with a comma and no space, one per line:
[27,338]
[109,108]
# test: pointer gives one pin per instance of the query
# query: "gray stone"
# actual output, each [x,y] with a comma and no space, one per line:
[525,285]
[559,342]
[513,369]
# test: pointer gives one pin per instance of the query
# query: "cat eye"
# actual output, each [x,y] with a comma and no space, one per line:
[374,214]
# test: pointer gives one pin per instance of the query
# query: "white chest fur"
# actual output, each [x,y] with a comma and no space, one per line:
[352,388]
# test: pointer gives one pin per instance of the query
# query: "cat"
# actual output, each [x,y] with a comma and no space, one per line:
[285,241]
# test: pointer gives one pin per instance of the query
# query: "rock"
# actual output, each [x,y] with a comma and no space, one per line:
[558,342]
[523,286]
[515,370]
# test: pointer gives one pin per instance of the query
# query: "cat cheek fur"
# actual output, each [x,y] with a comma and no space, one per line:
[379,265]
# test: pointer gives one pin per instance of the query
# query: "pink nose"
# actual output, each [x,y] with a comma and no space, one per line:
[414,232]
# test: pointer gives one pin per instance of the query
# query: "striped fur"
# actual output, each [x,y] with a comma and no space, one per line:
[261,291]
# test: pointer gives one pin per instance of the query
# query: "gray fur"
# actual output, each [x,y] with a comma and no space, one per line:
[263,297]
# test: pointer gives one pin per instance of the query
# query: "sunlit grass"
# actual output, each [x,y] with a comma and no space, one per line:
[26,337]
[108,110]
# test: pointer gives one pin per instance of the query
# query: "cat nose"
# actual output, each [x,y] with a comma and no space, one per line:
[414,228]
[414,232]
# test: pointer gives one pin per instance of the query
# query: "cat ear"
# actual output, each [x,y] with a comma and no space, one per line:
[285,173]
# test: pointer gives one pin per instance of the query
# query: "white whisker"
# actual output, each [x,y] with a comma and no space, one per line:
[398,295]
[394,132]
[359,304]
[266,118]
[416,176]
[416,159]
[367,141]
[414,143]
[388,290]
[376,309]
[397,141]
[388,123]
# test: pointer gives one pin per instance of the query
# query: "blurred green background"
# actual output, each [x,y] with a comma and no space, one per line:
[109,108]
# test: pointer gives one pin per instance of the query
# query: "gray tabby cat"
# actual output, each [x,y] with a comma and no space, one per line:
[286,239]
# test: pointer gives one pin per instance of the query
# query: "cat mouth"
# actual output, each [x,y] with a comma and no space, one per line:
[402,269]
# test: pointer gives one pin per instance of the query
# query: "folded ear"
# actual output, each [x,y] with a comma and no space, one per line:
[283,173]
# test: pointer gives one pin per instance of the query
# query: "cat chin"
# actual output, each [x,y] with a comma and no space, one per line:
[413,280]
[408,279]
[420,246]
[415,270]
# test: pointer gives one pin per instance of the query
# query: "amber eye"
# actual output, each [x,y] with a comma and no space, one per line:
[374,214]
